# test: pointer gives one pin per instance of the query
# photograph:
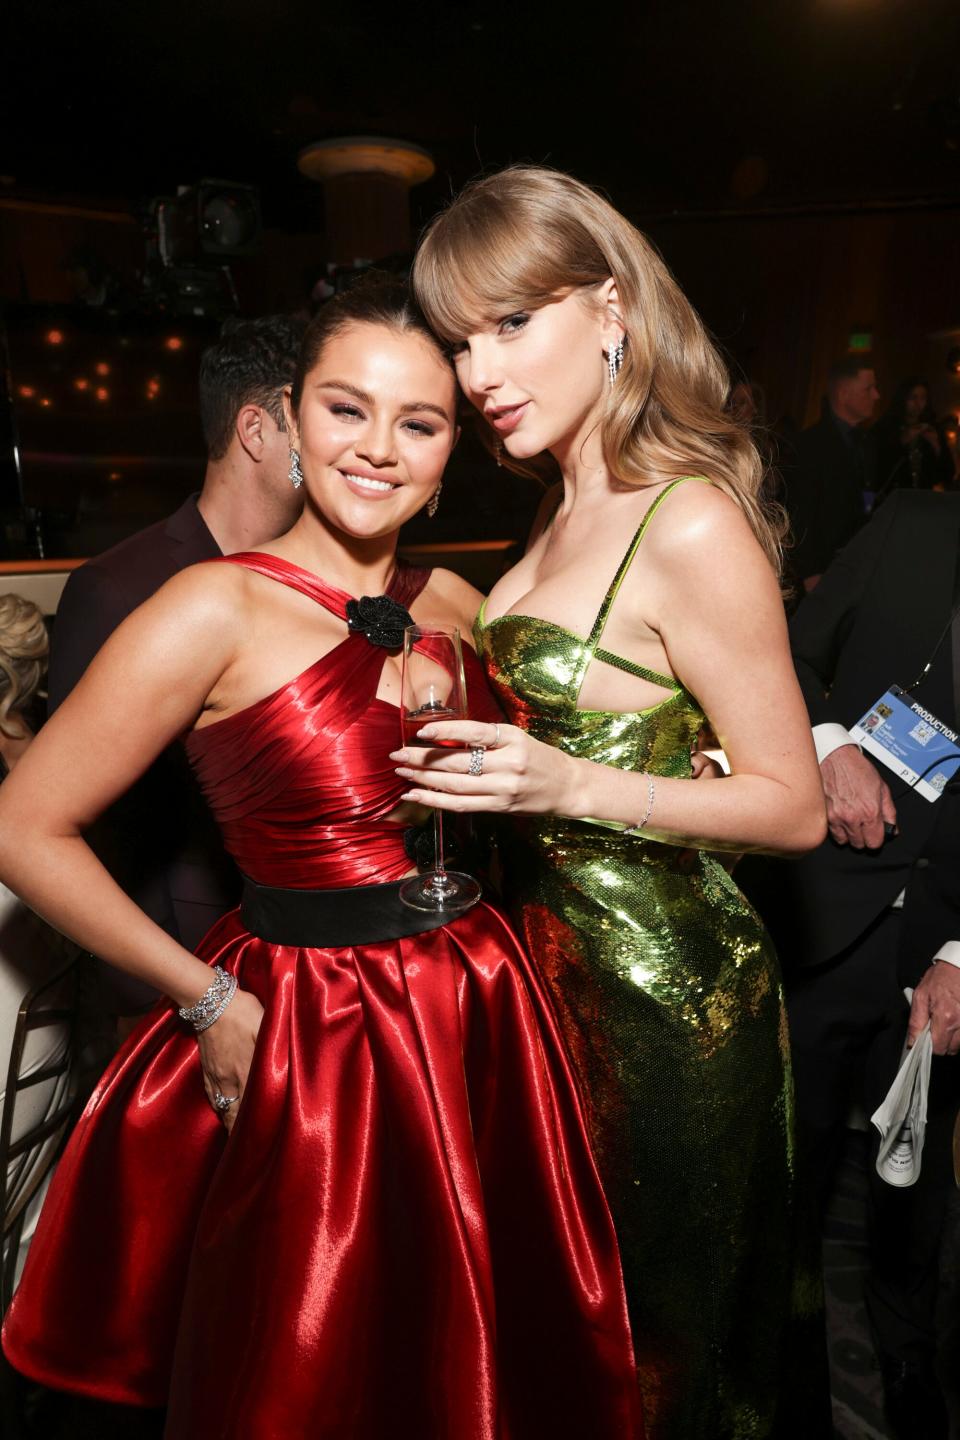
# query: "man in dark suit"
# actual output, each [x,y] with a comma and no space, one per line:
[159,840]
[877,907]
[831,476]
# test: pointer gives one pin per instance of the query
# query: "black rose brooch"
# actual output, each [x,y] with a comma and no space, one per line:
[381,619]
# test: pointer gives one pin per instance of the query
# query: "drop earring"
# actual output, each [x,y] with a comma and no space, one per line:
[498,451]
[433,504]
[295,472]
[614,360]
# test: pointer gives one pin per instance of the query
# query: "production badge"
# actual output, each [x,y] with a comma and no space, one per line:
[911,741]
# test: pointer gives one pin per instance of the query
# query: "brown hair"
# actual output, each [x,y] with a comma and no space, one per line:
[377,298]
[513,241]
[24,646]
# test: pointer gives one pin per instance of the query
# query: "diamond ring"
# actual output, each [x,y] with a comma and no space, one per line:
[476,759]
[223,1102]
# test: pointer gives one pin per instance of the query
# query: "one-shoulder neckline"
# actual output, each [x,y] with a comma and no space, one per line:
[314,581]
[266,562]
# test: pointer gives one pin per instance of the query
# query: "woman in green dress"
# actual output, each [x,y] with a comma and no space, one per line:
[647,604]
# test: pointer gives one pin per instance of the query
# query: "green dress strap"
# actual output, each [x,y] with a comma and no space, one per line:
[592,650]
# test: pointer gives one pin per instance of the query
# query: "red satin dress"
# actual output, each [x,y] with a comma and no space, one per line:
[405,1235]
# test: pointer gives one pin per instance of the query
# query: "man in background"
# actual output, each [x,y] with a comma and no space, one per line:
[831,480]
[876,908]
[159,840]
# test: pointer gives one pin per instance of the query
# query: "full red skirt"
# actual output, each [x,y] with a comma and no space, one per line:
[404,1235]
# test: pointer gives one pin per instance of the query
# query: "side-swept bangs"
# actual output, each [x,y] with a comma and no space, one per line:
[486,259]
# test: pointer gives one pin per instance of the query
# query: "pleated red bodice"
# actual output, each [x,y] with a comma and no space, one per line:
[301,782]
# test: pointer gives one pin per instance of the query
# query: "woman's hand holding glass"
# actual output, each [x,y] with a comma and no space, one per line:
[517,774]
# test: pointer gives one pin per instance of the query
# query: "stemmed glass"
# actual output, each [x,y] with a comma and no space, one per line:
[434,688]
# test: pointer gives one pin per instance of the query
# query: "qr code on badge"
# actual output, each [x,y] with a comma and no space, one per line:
[938,782]
[922,733]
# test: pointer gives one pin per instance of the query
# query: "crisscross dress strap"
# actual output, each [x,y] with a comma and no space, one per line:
[592,650]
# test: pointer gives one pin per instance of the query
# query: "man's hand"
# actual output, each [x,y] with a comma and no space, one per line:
[937,999]
[859,803]
[703,767]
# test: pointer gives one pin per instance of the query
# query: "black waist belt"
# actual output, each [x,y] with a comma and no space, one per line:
[323,919]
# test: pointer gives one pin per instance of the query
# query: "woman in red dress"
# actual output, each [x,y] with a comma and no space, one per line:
[404,1233]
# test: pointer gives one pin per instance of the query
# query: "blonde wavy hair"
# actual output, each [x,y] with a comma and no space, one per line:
[514,241]
[24,647]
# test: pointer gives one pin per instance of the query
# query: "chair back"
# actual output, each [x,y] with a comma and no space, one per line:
[39,1103]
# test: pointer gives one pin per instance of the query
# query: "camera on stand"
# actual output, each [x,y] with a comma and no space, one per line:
[189,239]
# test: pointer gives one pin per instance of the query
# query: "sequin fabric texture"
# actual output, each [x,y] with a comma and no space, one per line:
[669,999]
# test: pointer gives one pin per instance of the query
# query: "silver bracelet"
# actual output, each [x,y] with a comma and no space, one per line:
[212,1002]
[635,829]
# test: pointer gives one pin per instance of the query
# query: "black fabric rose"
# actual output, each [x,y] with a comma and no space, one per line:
[419,846]
[381,619]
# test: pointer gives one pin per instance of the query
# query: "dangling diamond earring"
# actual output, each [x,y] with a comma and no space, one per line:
[295,472]
[614,360]
[498,451]
[433,504]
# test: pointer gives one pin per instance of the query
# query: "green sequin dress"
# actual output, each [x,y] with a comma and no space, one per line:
[669,997]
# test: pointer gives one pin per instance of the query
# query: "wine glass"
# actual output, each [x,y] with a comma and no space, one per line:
[434,688]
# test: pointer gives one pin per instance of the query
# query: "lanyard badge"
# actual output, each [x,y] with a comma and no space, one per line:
[911,741]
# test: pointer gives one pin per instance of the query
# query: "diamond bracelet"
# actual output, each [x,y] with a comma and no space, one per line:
[212,1002]
[635,829]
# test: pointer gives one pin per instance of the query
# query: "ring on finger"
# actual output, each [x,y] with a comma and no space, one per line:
[477,753]
[223,1102]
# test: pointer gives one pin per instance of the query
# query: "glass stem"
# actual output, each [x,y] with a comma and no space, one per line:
[438,842]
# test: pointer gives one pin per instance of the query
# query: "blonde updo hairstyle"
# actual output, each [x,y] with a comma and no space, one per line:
[518,239]
[24,647]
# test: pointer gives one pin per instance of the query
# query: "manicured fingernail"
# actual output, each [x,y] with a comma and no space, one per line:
[427,733]
[406,774]
[400,755]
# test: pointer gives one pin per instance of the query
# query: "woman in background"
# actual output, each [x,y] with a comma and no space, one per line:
[912,452]
[648,603]
[24,650]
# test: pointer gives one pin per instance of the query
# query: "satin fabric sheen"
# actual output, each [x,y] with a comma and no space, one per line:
[405,1234]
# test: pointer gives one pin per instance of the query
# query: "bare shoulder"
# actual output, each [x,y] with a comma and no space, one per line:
[207,600]
[455,597]
[701,530]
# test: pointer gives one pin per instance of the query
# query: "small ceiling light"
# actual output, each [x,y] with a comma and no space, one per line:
[54,337]
[81,383]
[173,342]
[102,393]
[102,368]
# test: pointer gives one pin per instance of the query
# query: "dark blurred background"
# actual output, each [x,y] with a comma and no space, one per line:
[796,163]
